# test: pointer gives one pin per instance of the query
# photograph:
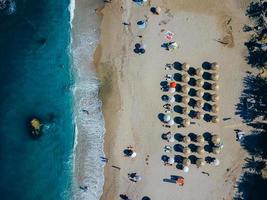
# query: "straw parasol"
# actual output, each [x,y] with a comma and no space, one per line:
[186,122]
[171,161]
[173,84]
[216,162]
[199,103]
[185,89]
[199,72]
[215,86]
[185,99]
[199,115]
[215,97]
[185,110]
[200,93]
[185,78]
[216,150]
[215,66]
[185,66]
[200,139]
[166,118]
[171,122]
[186,150]
[186,139]
[215,77]
[186,162]
[199,82]
[186,169]
[215,119]
[215,108]
[216,139]
[200,150]
[172,90]
[200,162]
[171,99]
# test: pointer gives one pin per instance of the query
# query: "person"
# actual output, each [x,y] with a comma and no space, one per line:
[169,77]
[126,23]
[84,188]
[167,149]
[124,197]
[134,177]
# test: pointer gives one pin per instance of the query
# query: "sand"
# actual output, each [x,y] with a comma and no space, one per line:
[131,95]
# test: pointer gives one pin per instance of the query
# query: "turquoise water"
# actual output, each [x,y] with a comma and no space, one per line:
[35,80]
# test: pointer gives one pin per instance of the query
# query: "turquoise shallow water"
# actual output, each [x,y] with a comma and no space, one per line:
[35,80]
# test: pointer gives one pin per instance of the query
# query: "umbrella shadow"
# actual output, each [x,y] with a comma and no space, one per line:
[192,82]
[178,137]
[192,71]
[193,137]
[179,166]
[178,98]
[178,120]
[177,77]
[193,159]
[178,148]
[207,86]
[177,65]
[164,85]
[178,109]
[209,159]
[206,65]
[192,92]
[165,158]
[207,117]
[178,88]
[207,136]
[207,96]
[161,117]
[192,102]
[206,76]
[164,98]
[178,159]
[207,107]
[193,147]
[208,148]
[192,114]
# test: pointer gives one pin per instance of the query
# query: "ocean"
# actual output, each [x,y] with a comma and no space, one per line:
[36,79]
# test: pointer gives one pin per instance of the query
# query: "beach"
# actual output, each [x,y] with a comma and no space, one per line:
[131,95]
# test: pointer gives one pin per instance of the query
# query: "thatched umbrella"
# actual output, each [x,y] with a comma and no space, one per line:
[215,86]
[185,78]
[166,118]
[215,77]
[215,97]
[199,72]
[200,93]
[172,90]
[216,139]
[186,122]
[171,99]
[200,150]
[157,10]
[215,66]
[216,150]
[185,110]
[185,89]
[186,169]
[199,103]
[215,108]
[215,119]
[200,162]
[216,162]
[186,139]
[171,122]
[186,150]
[186,162]
[185,99]
[200,139]
[199,82]
[185,66]
[199,115]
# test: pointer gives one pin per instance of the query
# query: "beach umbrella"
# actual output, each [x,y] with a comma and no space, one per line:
[133,155]
[186,169]
[215,77]
[186,150]
[215,97]
[200,150]
[185,110]
[185,89]
[171,161]
[186,122]
[186,139]
[141,24]
[173,45]
[185,99]
[215,86]
[215,108]
[172,90]
[215,66]
[199,72]
[216,139]
[200,139]
[173,84]
[186,162]
[167,118]
[171,99]
[216,150]
[158,10]
[185,78]
[199,82]
[199,103]
[200,162]
[199,115]
[215,119]
[216,162]
[200,93]
[171,122]
[185,66]
[171,139]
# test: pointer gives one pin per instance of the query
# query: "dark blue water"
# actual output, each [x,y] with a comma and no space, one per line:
[35,80]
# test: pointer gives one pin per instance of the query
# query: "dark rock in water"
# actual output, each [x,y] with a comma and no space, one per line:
[42,41]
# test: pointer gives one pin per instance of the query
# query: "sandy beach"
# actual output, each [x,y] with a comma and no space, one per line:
[131,94]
